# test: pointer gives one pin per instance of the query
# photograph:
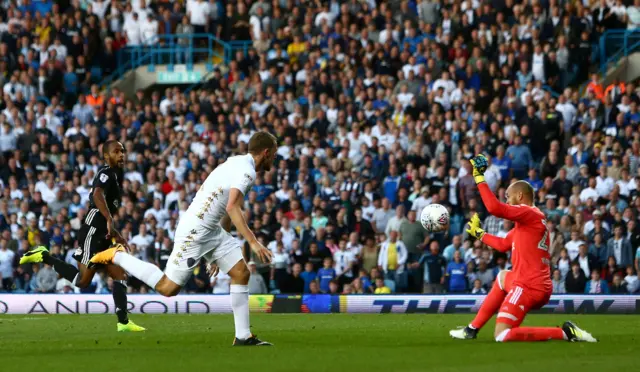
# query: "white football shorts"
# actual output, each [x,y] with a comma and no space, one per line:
[193,242]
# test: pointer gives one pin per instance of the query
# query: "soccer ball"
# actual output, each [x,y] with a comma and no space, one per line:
[434,218]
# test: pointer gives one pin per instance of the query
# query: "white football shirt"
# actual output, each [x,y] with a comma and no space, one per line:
[210,203]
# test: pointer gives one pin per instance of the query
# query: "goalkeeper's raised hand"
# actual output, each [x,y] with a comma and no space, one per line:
[474,227]
[480,165]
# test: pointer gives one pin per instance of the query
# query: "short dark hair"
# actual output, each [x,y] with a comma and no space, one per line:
[261,141]
[108,146]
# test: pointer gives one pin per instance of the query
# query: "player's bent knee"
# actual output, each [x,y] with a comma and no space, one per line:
[501,331]
[502,335]
[167,288]
[240,273]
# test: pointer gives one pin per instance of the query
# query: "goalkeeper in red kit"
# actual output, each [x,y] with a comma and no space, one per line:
[528,285]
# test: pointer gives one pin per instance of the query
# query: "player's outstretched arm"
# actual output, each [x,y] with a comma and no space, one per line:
[497,243]
[493,205]
[234,210]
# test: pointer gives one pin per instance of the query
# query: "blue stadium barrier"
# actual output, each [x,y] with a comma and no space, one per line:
[615,44]
[199,48]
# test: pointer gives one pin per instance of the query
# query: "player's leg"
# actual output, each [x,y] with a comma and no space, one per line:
[228,257]
[517,304]
[513,311]
[148,273]
[120,299]
[41,255]
[489,307]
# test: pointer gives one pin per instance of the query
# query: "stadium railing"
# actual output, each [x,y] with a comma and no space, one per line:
[616,44]
[170,50]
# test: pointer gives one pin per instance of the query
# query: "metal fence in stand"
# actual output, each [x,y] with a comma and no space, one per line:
[170,50]
[616,44]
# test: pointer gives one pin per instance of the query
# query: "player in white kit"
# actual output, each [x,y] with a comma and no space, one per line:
[203,232]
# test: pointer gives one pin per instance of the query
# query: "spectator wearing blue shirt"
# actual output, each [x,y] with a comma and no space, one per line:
[451,249]
[457,274]
[503,163]
[308,276]
[520,156]
[326,275]
[596,285]
[391,184]
[434,269]
[534,180]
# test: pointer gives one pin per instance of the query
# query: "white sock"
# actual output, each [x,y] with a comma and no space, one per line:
[150,274]
[240,306]
[75,280]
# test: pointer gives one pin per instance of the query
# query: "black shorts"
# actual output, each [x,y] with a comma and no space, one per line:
[90,241]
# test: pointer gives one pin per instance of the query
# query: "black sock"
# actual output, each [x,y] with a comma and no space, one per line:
[66,270]
[120,300]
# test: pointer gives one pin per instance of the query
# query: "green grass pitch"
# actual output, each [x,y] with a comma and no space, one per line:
[304,342]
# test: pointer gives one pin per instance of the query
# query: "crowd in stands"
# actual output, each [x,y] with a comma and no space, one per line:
[377,107]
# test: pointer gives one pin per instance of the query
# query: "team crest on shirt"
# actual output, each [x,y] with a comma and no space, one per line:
[176,261]
[78,252]
[104,177]
[179,255]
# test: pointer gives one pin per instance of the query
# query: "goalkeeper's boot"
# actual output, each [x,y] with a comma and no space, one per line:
[251,341]
[130,327]
[106,257]
[575,334]
[466,333]
[34,255]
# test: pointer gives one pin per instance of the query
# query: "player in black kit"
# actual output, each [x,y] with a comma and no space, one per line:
[97,234]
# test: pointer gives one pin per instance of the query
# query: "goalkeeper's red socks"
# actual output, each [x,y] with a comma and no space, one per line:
[490,306]
[531,334]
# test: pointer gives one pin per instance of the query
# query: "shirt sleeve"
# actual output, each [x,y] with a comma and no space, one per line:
[103,179]
[497,243]
[243,181]
[514,213]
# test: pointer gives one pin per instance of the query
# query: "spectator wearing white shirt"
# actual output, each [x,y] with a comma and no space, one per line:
[198,12]
[161,215]
[325,16]
[6,266]
[8,138]
[444,82]
[61,49]
[288,234]
[405,97]
[590,192]
[392,256]
[99,7]
[12,87]
[133,31]
[143,240]
[633,15]
[344,260]
[421,201]
[220,283]
[604,183]
[149,30]
[573,245]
